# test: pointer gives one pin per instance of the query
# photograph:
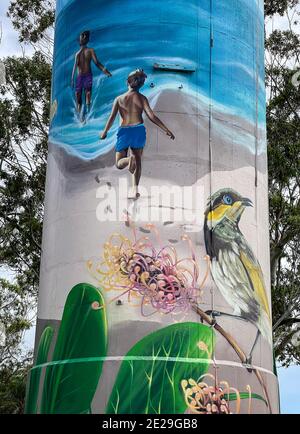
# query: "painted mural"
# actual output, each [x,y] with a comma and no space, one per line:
[152,376]
[125,39]
[154,294]
[234,266]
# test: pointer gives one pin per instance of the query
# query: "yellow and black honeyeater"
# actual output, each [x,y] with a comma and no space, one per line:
[234,267]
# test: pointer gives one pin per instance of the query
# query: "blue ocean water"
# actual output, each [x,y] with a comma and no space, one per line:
[130,34]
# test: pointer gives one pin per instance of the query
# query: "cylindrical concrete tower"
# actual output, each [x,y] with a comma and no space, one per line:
[155,268]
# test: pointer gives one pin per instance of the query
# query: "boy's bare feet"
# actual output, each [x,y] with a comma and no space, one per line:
[170,134]
[132,164]
[134,193]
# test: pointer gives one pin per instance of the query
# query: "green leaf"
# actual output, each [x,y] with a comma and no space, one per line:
[149,379]
[35,373]
[44,345]
[244,395]
[72,378]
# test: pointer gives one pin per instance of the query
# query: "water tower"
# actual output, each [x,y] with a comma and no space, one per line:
[146,302]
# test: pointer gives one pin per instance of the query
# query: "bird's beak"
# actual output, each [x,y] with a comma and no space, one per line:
[238,208]
[247,202]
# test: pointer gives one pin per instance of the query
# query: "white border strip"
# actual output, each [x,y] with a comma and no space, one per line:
[153,358]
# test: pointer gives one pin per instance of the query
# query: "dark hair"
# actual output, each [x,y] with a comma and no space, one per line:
[136,78]
[86,33]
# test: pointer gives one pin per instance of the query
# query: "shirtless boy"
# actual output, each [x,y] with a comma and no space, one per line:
[82,64]
[132,133]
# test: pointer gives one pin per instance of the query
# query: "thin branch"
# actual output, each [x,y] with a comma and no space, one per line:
[240,353]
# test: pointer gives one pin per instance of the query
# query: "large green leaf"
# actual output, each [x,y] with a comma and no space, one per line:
[35,373]
[150,375]
[72,377]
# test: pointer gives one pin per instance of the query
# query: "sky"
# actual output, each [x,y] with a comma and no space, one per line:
[289,378]
[9,43]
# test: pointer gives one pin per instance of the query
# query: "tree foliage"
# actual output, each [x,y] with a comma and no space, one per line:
[24,116]
[280,7]
[13,388]
[14,359]
[283,128]
[24,119]
[34,20]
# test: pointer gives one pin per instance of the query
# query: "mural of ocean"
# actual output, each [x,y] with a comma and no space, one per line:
[130,34]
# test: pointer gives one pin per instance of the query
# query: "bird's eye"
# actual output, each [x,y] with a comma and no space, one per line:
[227,199]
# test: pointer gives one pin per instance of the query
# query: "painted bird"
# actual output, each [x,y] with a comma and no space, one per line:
[234,266]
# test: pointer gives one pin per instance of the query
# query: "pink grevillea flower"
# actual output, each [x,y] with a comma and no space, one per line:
[154,276]
[204,398]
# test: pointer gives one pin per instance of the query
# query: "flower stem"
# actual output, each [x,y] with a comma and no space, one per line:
[235,346]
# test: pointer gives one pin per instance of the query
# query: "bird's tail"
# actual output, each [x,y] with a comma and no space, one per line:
[265,327]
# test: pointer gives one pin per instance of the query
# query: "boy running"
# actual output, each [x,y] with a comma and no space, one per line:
[82,64]
[132,133]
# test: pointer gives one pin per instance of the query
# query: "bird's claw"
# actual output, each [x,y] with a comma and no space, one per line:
[248,364]
[213,313]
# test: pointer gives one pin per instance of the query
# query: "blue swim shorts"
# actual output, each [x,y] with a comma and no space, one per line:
[133,136]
